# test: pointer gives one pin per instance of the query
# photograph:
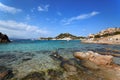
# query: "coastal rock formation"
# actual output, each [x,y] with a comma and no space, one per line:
[105,33]
[102,65]
[108,36]
[4,38]
[94,57]
[73,69]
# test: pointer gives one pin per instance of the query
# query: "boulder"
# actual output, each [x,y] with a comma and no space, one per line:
[4,38]
[95,57]
[101,65]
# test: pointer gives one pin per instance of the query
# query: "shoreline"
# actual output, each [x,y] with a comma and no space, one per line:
[101,42]
[104,40]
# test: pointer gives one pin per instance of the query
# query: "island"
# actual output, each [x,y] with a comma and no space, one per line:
[64,36]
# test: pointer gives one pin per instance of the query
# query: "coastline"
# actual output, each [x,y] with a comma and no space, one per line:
[101,42]
[104,40]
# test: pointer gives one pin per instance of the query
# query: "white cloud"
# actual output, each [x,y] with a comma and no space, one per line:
[80,17]
[9,9]
[43,8]
[20,30]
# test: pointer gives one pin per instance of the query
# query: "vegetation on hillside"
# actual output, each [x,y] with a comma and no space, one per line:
[68,35]
[106,33]
[64,35]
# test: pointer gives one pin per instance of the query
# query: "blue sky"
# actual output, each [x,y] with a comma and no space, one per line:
[43,18]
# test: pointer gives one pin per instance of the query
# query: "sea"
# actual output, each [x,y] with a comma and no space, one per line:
[25,56]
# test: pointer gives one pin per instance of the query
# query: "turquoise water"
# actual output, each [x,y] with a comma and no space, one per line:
[25,56]
[38,45]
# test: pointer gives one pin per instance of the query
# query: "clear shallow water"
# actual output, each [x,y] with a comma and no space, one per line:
[25,56]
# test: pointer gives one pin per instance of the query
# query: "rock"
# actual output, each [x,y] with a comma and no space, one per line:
[55,74]
[56,56]
[105,37]
[52,72]
[5,73]
[116,60]
[101,65]
[4,38]
[35,76]
[95,57]
[7,58]
[73,70]
[108,51]
[26,58]
[69,67]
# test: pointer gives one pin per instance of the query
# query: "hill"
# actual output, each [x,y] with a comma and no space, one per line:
[106,33]
[63,36]
[68,35]
[108,36]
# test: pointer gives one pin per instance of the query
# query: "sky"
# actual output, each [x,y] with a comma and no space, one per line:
[43,18]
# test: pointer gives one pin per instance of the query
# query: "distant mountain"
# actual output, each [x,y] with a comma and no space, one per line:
[63,36]
[4,38]
[68,35]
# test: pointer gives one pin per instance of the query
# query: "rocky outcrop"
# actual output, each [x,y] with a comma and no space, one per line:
[101,65]
[5,73]
[4,38]
[108,36]
[94,57]
[104,40]
[105,33]
[73,70]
